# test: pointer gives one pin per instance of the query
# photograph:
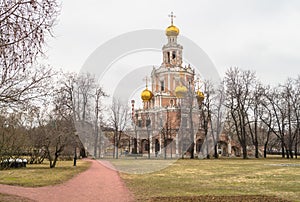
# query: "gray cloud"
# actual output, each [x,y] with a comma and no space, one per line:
[261,35]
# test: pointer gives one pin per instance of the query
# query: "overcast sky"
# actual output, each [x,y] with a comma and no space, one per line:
[261,35]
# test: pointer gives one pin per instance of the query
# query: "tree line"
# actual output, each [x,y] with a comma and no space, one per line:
[258,116]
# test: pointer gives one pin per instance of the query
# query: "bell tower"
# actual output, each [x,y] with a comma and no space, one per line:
[172,52]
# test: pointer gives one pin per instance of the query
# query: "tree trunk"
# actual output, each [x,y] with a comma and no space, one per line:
[117,149]
[287,153]
[216,152]
[192,150]
[207,150]
[54,161]
[291,153]
[165,148]
[245,156]
[99,145]
[265,149]
[96,140]
[192,142]
[114,143]
[282,150]
[256,150]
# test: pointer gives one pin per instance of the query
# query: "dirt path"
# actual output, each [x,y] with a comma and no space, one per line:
[98,183]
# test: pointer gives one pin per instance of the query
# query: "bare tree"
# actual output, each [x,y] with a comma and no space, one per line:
[281,115]
[239,84]
[265,115]
[57,132]
[206,113]
[277,107]
[296,111]
[253,114]
[13,136]
[98,95]
[218,114]
[119,119]
[86,85]
[189,108]
[24,25]
[25,86]
[81,95]
[291,96]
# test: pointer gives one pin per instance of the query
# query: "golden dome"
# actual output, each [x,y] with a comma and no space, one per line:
[172,31]
[200,96]
[146,95]
[180,91]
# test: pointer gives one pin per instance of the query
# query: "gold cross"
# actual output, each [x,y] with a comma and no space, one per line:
[198,81]
[172,17]
[146,78]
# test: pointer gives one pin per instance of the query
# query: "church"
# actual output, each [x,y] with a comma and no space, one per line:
[169,123]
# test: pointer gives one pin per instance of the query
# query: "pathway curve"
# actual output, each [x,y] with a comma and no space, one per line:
[98,183]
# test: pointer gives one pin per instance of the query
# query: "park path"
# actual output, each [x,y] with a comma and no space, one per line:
[98,183]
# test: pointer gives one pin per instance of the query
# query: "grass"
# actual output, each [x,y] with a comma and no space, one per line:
[37,175]
[9,198]
[224,177]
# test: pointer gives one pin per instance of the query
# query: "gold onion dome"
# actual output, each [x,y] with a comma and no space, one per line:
[200,96]
[180,91]
[172,31]
[146,95]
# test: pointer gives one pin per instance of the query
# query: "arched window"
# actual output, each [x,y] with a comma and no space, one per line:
[173,55]
[162,85]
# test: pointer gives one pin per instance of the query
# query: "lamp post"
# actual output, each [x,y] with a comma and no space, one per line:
[75,151]
[75,156]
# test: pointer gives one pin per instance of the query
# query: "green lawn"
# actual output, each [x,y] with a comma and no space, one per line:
[224,177]
[36,175]
[10,198]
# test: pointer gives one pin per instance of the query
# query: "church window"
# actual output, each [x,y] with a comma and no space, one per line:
[168,57]
[162,86]
[173,55]
[171,103]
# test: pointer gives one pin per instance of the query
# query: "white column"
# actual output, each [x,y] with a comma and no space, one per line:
[160,100]
[138,143]
[169,83]
[159,143]
[151,142]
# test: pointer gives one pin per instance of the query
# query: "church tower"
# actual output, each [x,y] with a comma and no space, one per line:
[171,81]
[172,52]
